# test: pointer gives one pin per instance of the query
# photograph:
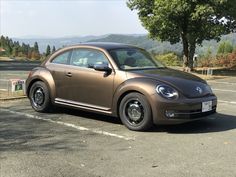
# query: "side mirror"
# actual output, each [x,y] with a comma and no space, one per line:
[102,67]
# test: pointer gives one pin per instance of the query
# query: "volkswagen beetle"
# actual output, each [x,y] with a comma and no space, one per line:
[119,80]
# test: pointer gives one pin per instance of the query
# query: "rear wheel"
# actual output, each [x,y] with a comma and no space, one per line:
[135,112]
[39,97]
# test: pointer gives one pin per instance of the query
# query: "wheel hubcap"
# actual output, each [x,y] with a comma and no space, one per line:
[134,111]
[38,97]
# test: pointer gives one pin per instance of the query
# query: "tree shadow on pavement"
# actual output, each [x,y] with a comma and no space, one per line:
[24,134]
[217,123]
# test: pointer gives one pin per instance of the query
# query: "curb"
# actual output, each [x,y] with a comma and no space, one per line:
[12,98]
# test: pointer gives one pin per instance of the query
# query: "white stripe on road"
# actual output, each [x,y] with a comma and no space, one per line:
[230,102]
[223,90]
[218,82]
[68,124]
[3,89]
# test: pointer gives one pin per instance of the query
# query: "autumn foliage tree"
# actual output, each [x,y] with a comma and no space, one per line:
[186,21]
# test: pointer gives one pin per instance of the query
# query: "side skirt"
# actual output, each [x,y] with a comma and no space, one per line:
[83,106]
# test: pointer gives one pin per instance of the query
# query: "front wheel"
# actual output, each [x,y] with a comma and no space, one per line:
[135,112]
[39,97]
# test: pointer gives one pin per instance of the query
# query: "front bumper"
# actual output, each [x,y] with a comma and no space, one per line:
[181,110]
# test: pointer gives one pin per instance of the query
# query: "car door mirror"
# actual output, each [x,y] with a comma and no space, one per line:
[102,67]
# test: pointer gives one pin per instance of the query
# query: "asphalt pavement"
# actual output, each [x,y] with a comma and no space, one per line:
[73,143]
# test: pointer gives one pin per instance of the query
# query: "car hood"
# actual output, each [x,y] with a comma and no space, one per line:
[185,83]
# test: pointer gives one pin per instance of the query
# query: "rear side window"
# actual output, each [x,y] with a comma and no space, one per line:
[62,58]
[87,58]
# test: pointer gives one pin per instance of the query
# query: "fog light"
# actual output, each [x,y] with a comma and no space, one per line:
[170,114]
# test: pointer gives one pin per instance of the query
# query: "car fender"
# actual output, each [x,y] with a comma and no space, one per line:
[44,75]
[145,86]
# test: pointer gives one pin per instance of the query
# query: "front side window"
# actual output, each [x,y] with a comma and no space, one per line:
[133,59]
[87,58]
[62,58]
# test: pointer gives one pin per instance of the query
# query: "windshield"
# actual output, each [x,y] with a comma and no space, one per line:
[134,59]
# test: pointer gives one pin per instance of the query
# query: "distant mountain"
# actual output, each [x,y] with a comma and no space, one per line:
[57,42]
[140,40]
[163,47]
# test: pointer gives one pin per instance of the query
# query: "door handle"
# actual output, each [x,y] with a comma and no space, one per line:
[69,74]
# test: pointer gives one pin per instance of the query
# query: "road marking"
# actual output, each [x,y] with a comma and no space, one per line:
[3,89]
[219,82]
[230,102]
[68,124]
[223,90]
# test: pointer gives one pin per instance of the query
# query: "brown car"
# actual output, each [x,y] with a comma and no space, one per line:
[119,80]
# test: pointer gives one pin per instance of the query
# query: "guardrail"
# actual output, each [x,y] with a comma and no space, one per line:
[19,65]
[207,71]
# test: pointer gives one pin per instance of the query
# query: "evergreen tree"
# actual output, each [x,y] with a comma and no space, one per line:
[48,51]
[15,51]
[35,53]
[53,49]
[36,47]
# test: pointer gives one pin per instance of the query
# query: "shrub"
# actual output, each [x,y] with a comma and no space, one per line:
[169,59]
[224,60]
[228,60]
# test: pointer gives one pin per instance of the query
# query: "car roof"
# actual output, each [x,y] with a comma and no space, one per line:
[106,45]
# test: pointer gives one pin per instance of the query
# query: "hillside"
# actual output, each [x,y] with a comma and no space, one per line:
[138,40]
[57,42]
[142,41]
[163,47]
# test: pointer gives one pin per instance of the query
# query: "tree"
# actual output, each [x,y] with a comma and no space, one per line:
[15,51]
[188,21]
[53,49]
[35,53]
[36,47]
[225,47]
[48,50]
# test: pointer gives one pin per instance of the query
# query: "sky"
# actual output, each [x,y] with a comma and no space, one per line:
[64,18]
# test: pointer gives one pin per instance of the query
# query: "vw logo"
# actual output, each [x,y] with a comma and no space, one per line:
[199,90]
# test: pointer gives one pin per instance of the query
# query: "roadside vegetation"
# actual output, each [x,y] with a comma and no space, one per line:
[13,49]
[225,57]
[222,55]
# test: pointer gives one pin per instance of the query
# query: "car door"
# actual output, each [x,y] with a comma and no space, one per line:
[57,66]
[88,87]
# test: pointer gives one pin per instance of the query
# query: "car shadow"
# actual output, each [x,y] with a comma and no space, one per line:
[217,123]
[88,115]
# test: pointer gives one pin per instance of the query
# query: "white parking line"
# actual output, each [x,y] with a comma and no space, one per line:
[230,102]
[219,82]
[3,89]
[68,124]
[223,90]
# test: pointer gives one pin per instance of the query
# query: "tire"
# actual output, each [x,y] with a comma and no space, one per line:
[39,97]
[135,112]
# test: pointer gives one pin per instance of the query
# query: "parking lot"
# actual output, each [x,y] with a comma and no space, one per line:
[73,143]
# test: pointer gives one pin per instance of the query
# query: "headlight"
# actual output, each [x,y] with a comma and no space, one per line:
[167,91]
[208,88]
